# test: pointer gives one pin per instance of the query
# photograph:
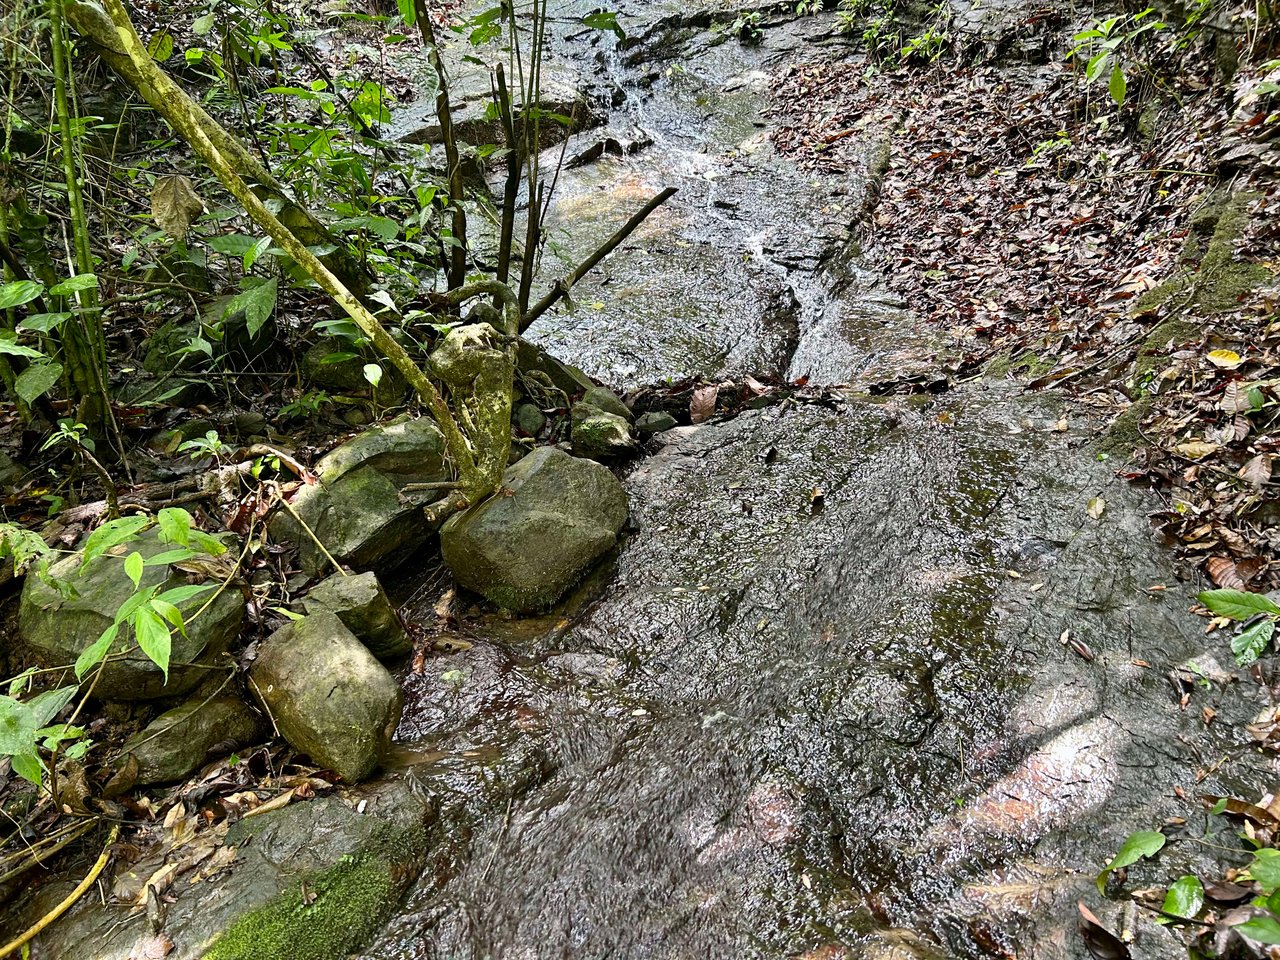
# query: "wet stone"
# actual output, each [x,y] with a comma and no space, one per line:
[647,424]
[328,695]
[180,740]
[363,607]
[598,435]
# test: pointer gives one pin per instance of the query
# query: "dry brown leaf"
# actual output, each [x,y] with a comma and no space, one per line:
[1223,572]
[1257,471]
[703,405]
[1196,449]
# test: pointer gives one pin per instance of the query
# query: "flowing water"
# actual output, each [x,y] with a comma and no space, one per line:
[824,702]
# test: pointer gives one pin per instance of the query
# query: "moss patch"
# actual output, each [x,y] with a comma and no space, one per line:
[1125,435]
[1026,362]
[1153,355]
[328,915]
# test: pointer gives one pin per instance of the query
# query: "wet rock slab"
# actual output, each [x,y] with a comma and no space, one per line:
[840,723]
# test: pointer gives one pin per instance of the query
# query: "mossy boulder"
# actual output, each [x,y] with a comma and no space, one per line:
[59,628]
[656,421]
[356,508]
[328,695]
[364,609]
[605,399]
[554,518]
[329,363]
[180,740]
[599,435]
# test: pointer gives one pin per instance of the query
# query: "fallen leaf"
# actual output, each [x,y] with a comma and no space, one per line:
[1100,941]
[1096,507]
[703,405]
[1257,471]
[1226,359]
[1223,572]
[1195,449]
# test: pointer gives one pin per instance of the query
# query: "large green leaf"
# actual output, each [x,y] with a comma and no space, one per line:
[153,637]
[1144,843]
[1262,929]
[10,346]
[112,534]
[37,380]
[1236,604]
[175,525]
[45,706]
[1185,898]
[257,302]
[1249,644]
[92,655]
[18,727]
[81,281]
[18,292]
[1265,869]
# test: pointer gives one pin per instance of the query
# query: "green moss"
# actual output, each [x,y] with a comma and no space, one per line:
[1224,280]
[1025,362]
[325,917]
[1125,434]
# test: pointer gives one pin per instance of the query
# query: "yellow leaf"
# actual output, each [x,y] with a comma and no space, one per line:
[1096,507]
[1195,449]
[1226,359]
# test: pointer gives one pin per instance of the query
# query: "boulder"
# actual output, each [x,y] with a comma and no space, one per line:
[647,424]
[524,549]
[59,628]
[599,435]
[364,609]
[180,740]
[605,399]
[531,358]
[328,695]
[346,375]
[356,509]
[529,420]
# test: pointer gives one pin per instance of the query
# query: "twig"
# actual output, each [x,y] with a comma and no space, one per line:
[35,929]
[564,286]
[314,539]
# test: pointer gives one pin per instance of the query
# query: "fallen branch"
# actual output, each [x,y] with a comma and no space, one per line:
[556,293]
[35,929]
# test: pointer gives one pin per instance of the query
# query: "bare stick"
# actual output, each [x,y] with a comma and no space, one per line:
[564,286]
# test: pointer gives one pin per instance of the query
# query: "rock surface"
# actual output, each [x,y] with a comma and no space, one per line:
[355,509]
[363,607]
[647,424]
[328,695]
[311,881]
[598,435]
[525,549]
[602,398]
[59,629]
[180,740]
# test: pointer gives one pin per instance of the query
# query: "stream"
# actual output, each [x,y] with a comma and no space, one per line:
[865,679]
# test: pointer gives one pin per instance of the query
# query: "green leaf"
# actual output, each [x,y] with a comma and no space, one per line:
[253,253]
[208,544]
[175,526]
[1265,869]
[604,20]
[1236,604]
[81,281]
[28,767]
[1144,843]
[133,564]
[17,727]
[203,25]
[153,637]
[1249,645]
[94,653]
[1185,898]
[256,302]
[18,292]
[44,322]
[170,556]
[170,613]
[8,346]
[184,593]
[161,46]
[373,373]
[1262,929]
[234,244]
[37,380]
[112,534]
[1117,86]
[47,705]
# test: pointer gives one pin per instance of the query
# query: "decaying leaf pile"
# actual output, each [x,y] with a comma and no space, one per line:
[1129,257]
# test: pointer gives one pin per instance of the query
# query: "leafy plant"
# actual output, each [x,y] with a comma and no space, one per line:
[1258,614]
[1108,49]
[748,26]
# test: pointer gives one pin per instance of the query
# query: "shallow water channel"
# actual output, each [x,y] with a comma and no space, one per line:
[820,704]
